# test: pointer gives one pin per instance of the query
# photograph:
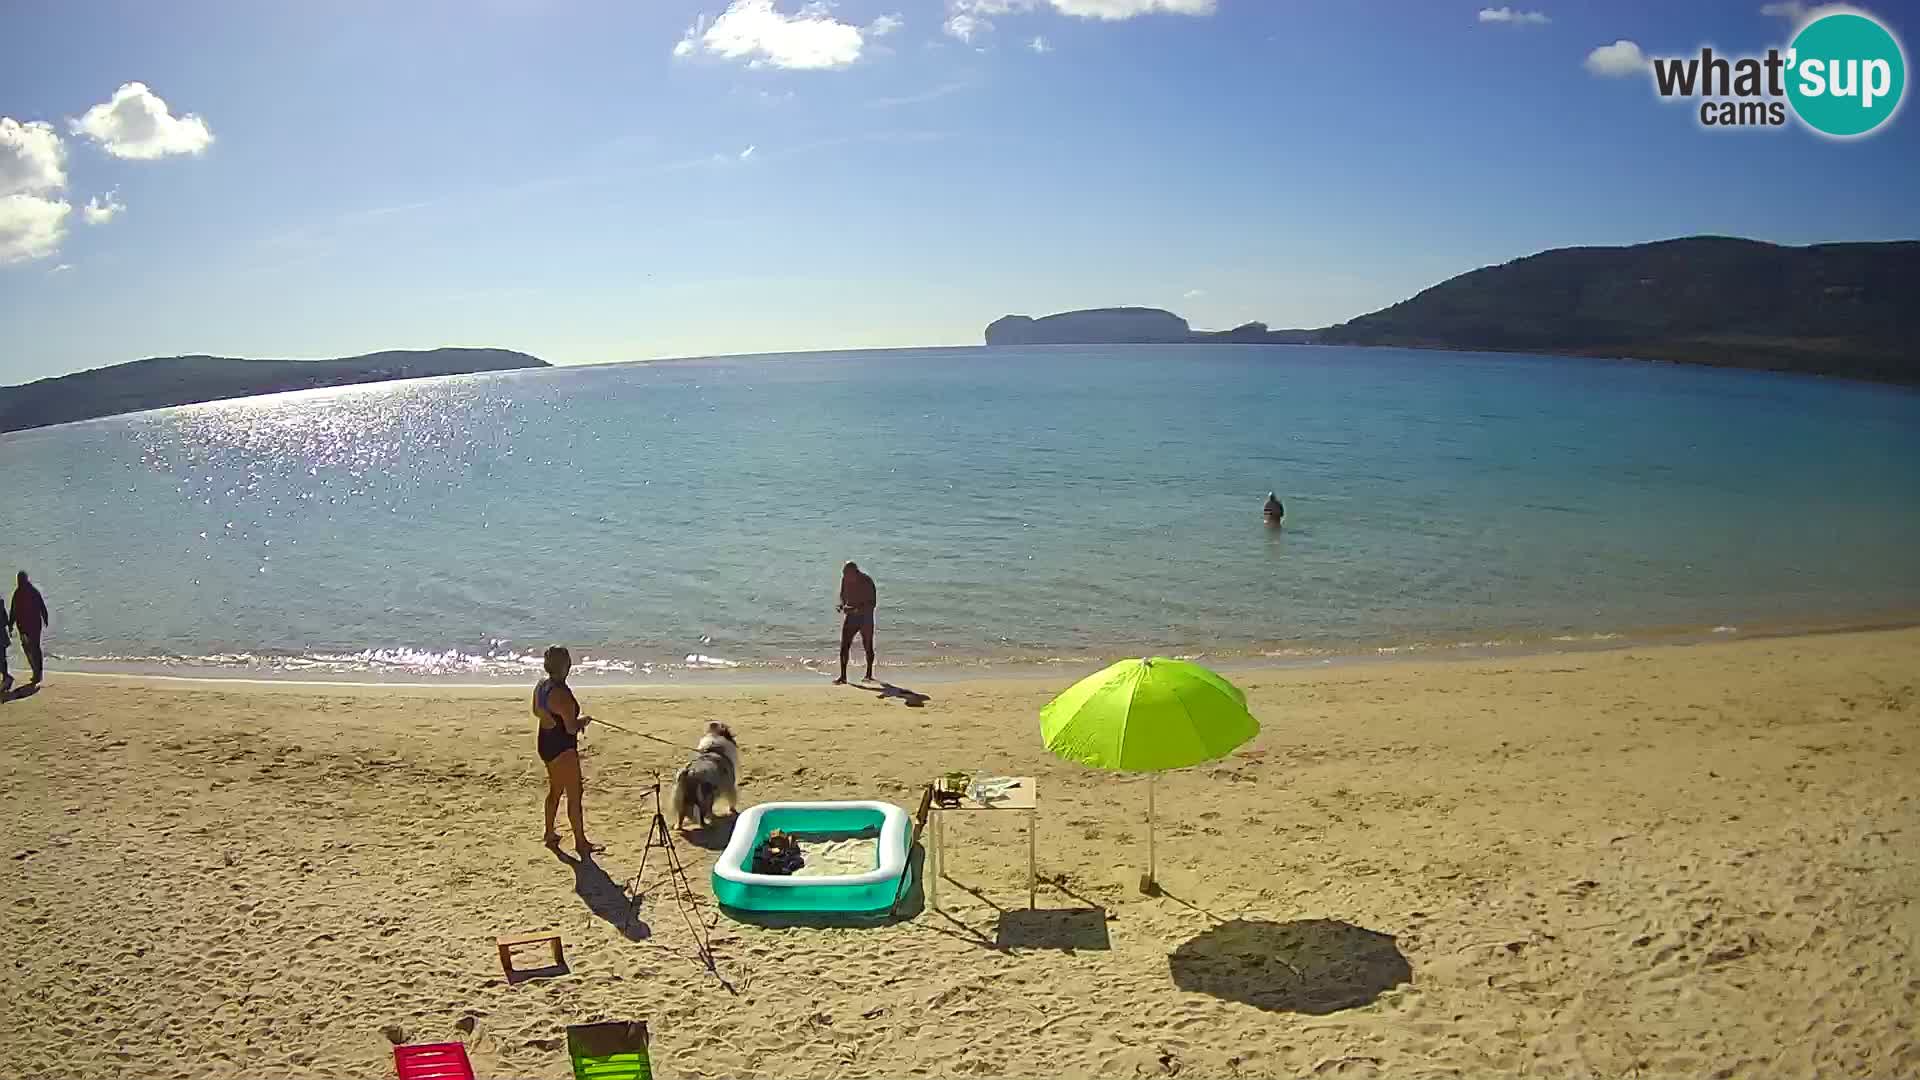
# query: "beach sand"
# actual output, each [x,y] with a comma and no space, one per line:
[1676,861]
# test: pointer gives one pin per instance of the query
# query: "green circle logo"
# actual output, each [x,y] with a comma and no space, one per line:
[1846,74]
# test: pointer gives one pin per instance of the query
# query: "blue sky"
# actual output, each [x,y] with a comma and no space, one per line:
[600,182]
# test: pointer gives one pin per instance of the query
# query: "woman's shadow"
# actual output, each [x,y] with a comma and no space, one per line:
[604,896]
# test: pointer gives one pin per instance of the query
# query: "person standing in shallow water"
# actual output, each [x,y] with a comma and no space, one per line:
[30,617]
[858,598]
[558,742]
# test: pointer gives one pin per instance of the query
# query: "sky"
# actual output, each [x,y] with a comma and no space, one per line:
[594,182]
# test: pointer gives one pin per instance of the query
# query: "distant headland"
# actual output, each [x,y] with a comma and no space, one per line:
[1825,309]
[1128,325]
[164,381]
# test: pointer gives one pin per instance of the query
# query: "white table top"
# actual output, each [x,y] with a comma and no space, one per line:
[1025,796]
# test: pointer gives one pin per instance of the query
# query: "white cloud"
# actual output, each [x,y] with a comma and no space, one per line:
[965,26]
[32,158]
[690,41]
[811,39]
[1799,12]
[885,24]
[33,174]
[34,211]
[1193,294]
[968,19]
[1039,45]
[1621,58]
[31,226]
[991,7]
[61,269]
[101,209]
[748,152]
[136,124]
[1513,18]
[1127,9]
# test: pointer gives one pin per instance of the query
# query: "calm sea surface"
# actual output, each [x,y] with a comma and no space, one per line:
[1013,504]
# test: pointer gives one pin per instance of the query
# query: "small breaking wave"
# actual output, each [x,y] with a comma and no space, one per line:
[499,661]
[399,661]
[1428,646]
[409,661]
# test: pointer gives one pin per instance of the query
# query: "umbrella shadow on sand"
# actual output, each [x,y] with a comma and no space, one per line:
[1313,966]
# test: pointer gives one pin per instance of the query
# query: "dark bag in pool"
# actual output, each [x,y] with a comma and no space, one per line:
[778,854]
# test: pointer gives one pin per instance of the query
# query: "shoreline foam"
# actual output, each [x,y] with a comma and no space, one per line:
[592,670]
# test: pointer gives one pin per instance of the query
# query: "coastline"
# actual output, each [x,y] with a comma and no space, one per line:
[1907,387]
[595,670]
[1687,856]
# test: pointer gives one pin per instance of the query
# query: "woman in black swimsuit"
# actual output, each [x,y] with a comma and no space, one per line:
[558,741]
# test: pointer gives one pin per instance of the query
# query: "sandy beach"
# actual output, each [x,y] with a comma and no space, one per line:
[1674,861]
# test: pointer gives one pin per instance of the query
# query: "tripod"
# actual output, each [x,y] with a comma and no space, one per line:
[661,837]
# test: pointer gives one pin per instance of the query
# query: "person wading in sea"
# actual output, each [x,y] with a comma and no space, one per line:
[558,743]
[858,598]
[30,617]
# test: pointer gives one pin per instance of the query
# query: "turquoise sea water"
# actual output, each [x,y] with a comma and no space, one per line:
[1013,504]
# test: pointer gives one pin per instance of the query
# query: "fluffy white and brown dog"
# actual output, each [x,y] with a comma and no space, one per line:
[709,777]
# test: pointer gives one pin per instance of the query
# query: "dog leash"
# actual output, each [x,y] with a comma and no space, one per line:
[642,734]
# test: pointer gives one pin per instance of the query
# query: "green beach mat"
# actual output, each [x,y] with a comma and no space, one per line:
[616,1050]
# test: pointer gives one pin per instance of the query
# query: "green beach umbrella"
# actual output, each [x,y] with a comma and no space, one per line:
[1148,716]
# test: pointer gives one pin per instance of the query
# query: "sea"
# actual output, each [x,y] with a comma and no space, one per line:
[1018,508]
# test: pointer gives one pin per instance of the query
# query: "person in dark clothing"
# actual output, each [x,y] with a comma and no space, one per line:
[6,642]
[30,617]
[858,598]
[561,721]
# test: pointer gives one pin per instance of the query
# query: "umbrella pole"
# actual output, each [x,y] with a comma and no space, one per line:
[1148,885]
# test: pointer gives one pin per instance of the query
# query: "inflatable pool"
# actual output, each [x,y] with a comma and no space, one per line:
[736,886]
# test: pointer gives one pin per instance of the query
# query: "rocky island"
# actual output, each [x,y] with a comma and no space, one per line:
[1128,326]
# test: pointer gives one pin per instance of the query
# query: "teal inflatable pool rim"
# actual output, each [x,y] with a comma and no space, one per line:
[868,892]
